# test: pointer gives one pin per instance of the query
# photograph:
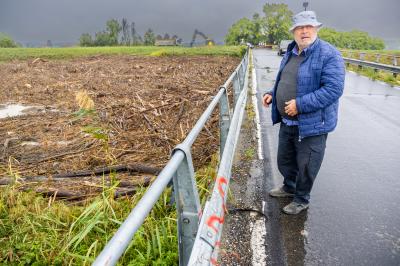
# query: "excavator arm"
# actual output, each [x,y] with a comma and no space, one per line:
[208,41]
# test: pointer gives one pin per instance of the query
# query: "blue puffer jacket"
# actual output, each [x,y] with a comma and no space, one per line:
[320,83]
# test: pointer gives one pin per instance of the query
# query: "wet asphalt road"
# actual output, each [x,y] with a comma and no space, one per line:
[354,214]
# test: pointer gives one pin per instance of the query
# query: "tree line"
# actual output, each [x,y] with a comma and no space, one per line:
[270,28]
[274,26]
[6,41]
[357,40]
[123,33]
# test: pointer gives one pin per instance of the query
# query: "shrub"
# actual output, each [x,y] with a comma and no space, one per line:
[6,41]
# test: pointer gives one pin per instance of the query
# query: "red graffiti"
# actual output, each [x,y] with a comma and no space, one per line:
[212,219]
[213,261]
[221,180]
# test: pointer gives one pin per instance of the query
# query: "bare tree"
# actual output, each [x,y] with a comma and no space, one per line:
[136,39]
[126,38]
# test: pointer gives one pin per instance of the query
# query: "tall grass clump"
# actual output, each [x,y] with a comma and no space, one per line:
[41,231]
[376,75]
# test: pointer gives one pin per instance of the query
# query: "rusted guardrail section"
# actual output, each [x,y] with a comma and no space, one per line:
[180,169]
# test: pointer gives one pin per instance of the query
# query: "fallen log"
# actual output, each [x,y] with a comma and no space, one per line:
[145,181]
[60,194]
[131,168]
[72,196]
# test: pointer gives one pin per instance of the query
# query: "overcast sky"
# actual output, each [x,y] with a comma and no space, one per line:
[66,20]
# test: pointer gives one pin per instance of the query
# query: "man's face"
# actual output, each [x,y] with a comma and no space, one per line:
[305,35]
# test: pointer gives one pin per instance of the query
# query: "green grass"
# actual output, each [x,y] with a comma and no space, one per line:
[39,231]
[387,52]
[380,75]
[249,153]
[250,111]
[7,54]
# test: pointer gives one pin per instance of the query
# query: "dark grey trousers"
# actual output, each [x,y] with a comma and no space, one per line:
[299,161]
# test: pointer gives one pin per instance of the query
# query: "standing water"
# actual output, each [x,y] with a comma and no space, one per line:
[11,110]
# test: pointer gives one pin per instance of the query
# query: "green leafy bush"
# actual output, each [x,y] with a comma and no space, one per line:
[6,41]
[351,40]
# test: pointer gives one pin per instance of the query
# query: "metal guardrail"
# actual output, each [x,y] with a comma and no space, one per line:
[206,246]
[394,58]
[197,240]
[377,66]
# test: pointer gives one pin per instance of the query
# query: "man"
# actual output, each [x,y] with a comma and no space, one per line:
[305,103]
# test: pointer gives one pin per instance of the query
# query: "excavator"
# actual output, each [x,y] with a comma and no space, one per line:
[208,41]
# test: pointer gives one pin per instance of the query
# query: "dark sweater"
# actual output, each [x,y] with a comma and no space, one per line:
[287,86]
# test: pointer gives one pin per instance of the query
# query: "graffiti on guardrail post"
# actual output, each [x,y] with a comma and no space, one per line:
[208,240]
[215,218]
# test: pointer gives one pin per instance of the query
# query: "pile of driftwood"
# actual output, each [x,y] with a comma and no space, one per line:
[141,108]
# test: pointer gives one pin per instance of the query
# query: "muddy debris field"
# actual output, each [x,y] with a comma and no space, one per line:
[85,118]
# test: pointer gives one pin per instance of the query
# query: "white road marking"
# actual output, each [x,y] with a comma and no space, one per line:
[258,230]
[257,118]
[258,233]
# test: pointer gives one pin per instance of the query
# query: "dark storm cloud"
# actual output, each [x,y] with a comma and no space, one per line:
[65,20]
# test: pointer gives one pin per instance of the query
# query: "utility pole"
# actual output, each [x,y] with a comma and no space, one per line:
[305,5]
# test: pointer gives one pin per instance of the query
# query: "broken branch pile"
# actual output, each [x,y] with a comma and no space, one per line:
[143,107]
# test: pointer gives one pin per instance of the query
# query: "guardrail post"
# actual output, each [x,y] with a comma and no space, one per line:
[241,74]
[224,120]
[188,206]
[236,88]
[378,57]
[395,62]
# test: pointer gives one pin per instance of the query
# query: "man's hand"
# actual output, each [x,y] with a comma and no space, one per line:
[290,108]
[266,100]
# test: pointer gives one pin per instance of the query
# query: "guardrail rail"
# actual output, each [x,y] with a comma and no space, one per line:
[199,231]
[376,66]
